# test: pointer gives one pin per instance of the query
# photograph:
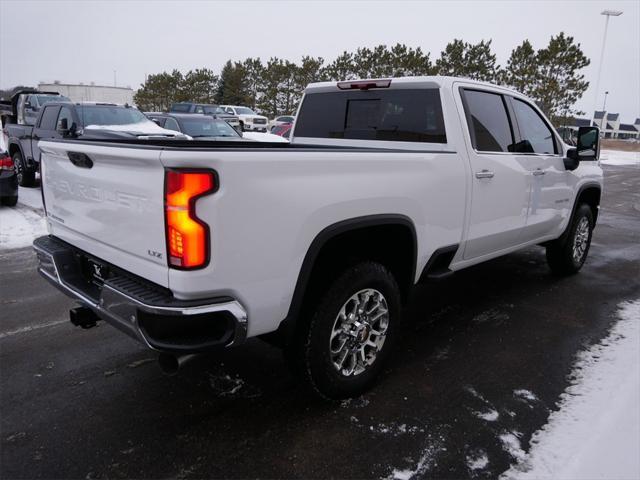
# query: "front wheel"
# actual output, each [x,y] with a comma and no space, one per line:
[566,256]
[343,348]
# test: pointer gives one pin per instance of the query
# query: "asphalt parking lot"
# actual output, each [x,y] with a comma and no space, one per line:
[485,357]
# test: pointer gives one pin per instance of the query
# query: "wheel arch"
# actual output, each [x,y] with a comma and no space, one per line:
[15,147]
[590,194]
[387,226]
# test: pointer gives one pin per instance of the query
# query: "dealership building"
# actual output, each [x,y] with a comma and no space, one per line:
[90,92]
[611,126]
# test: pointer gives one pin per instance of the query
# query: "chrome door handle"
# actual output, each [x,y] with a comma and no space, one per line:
[484,174]
[539,171]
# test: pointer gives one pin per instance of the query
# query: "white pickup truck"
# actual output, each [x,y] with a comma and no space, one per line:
[190,246]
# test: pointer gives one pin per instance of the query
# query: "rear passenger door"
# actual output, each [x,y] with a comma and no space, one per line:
[550,200]
[500,182]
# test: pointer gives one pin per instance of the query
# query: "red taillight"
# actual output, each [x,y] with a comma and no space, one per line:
[6,162]
[364,84]
[187,235]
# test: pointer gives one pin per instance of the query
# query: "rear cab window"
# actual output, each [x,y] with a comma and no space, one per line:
[400,115]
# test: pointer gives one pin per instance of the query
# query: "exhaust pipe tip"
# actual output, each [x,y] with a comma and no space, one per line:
[171,364]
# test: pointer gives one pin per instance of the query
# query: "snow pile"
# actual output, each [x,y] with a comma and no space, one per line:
[20,225]
[617,157]
[596,431]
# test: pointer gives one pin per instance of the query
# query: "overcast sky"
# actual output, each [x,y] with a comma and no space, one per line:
[74,41]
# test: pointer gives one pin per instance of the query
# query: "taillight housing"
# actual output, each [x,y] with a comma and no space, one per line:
[188,238]
[6,162]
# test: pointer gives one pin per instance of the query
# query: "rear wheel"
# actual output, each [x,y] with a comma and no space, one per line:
[26,178]
[342,349]
[566,256]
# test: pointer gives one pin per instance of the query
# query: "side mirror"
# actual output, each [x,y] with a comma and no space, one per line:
[156,121]
[588,144]
[587,149]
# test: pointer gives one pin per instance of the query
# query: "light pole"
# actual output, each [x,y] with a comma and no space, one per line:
[604,105]
[606,13]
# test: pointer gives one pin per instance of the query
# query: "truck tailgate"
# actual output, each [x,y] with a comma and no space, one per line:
[108,201]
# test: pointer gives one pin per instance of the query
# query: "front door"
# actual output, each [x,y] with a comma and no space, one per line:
[551,193]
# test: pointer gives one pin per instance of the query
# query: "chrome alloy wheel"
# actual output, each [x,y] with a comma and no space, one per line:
[359,332]
[580,239]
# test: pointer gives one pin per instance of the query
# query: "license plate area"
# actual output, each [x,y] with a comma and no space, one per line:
[94,271]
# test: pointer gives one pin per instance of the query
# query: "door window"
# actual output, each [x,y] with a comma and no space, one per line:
[488,122]
[537,137]
[49,118]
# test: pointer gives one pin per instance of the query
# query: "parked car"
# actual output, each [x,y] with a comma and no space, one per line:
[25,105]
[316,244]
[58,120]
[249,120]
[283,130]
[199,126]
[212,110]
[282,120]
[8,177]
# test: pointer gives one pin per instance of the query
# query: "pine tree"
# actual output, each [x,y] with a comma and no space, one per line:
[461,59]
[199,86]
[521,72]
[561,83]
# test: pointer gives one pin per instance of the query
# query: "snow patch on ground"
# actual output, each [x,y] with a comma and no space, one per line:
[616,157]
[525,395]
[511,445]
[359,402]
[478,461]
[489,416]
[395,429]
[19,226]
[424,463]
[596,431]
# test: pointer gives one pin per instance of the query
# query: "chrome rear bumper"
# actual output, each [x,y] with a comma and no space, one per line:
[145,311]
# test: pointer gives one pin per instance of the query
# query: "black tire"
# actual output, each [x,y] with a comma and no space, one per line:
[566,255]
[26,177]
[311,351]
[9,201]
